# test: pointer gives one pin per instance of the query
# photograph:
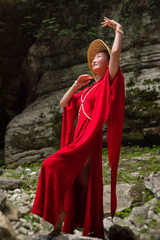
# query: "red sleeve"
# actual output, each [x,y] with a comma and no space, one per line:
[70,113]
[75,102]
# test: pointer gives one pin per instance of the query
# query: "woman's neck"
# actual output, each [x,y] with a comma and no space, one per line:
[99,76]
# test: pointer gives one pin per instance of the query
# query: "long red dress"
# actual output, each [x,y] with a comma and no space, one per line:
[58,186]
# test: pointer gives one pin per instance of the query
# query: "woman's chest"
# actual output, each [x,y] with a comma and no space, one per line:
[88,97]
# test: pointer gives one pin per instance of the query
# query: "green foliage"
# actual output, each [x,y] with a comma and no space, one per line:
[49,24]
[131,82]
[140,194]
[49,19]
[65,32]
[157,209]
[136,8]
[32,165]
[143,160]
[31,218]
[149,81]
[144,108]
[2,164]
[123,214]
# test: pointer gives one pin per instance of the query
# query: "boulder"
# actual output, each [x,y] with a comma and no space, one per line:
[11,211]
[124,199]
[9,183]
[51,65]
[23,210]
[6,230]
[153,183]
[34,70]
[35,133]
[138,215]
[2,200]
[117,232]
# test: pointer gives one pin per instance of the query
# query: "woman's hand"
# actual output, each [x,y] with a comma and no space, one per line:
[81,81]
[111,23]
[84,80]
[116,48]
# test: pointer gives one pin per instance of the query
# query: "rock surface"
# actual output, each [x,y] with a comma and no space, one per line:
[124,200]
[6,230]
[153,183]
[51,66]
[9,183]
[2,200]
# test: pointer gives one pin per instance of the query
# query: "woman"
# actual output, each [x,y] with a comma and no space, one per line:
[70,185]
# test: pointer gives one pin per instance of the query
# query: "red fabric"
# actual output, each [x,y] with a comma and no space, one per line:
[58,187]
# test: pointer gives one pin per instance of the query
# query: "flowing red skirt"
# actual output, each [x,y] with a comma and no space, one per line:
[59,188]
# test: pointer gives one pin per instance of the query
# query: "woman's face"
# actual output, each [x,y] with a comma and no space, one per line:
[100,63]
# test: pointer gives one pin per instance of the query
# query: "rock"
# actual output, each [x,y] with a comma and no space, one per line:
[9,183]
[15,197]
[11,211]
[22,230]
[119,221]
[27,226]
[124,199]
[138,215]
[152,215]
[20,237]
[30,233]
[107,223]
[47,61]
[150,236]
[135,174]
[16,225]
[46,225]
[19,170]
[6,230]
[23,210]
[2,200]
[78,233]
[23,220]
[153,183]
[151,202]
[36,217]
[121,233]
[44,236]
[152,134]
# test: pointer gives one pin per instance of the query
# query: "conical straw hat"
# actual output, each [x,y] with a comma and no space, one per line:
[95,47]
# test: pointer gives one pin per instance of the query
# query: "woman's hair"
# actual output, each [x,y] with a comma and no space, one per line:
[105,51]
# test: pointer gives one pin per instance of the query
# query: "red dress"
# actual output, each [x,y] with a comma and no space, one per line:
[58,186]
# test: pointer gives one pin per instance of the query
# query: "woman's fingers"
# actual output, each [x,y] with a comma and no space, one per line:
[109,22]
[89,78]
[104,24]
[84,79]
[86,82]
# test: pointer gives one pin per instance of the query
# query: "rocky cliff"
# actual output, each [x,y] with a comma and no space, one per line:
[51,45]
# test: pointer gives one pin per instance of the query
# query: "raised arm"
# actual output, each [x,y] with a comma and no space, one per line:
[116,48]
[81,81]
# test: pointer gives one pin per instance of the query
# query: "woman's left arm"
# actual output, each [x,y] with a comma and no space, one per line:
[116,48]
